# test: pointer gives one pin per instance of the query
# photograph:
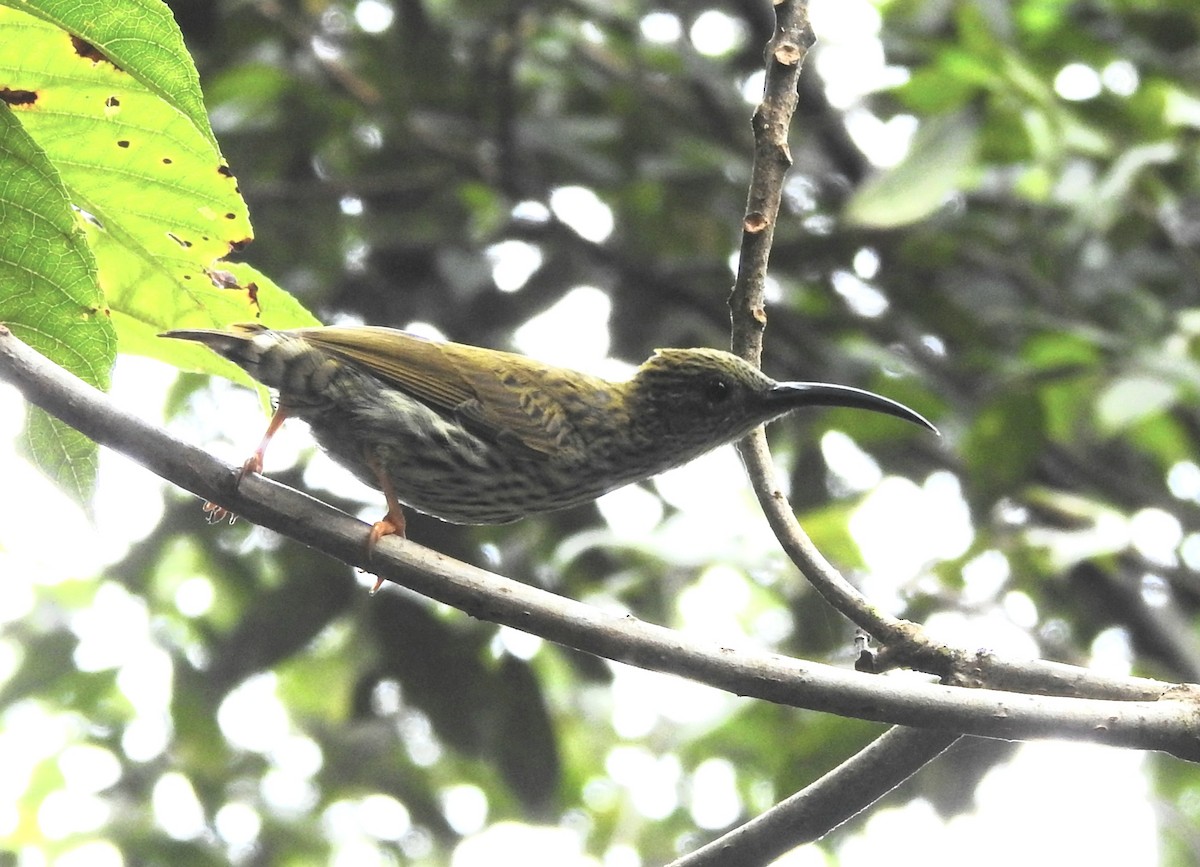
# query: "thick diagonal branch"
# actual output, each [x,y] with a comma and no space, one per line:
[1170,724]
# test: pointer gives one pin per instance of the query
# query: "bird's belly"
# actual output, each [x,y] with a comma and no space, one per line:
[464,493]
[439,468]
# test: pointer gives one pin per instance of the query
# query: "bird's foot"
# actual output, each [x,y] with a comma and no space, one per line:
[215,513]
[392,524]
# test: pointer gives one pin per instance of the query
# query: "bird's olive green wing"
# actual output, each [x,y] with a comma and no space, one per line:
[495,393]
[413,364]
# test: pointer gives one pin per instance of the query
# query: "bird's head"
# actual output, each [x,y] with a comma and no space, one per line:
[705,397]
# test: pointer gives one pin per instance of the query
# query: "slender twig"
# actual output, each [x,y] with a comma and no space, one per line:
[772,158]
[859,782]
[862,780]
[304,35]
[817,809]
[1170,724]
[785,52]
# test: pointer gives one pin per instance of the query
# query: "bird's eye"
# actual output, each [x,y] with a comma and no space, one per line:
[716,391]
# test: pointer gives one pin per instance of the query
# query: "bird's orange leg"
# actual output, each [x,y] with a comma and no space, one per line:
[253,464]
[393,523]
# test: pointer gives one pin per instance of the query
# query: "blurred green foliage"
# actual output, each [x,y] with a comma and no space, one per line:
[1025,274]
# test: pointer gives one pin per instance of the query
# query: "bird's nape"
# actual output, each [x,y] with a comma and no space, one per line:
[793,395]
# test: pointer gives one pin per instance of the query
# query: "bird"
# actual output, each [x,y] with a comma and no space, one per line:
[482,436]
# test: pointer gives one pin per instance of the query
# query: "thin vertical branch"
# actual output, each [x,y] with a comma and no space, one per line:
[901,752]
[785,54]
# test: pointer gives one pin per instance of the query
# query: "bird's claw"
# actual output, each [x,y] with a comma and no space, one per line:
[252,464]
[392,524]
[214,513]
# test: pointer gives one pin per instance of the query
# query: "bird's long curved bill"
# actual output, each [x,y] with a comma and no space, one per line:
[792,395]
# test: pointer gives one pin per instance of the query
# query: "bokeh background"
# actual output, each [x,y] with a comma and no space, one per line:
[993,217]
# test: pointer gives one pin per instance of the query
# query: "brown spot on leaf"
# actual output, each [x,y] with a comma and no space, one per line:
[123,143]
[230,216]
[178,240]
[224,170]
[226,280]
[167,161]
[112,102]
[222,279]
[90,52]
[18,97]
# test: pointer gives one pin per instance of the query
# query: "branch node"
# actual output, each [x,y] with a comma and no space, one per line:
[756,222]
[788,53]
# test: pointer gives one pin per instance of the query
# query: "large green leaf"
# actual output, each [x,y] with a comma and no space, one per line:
[1132,398]
[137,36]
[1000,447]
[104,130]
[941,152]
[49,296]
[161,209]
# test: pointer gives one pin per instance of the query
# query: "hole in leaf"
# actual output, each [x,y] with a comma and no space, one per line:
[90,52]
[18,97]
